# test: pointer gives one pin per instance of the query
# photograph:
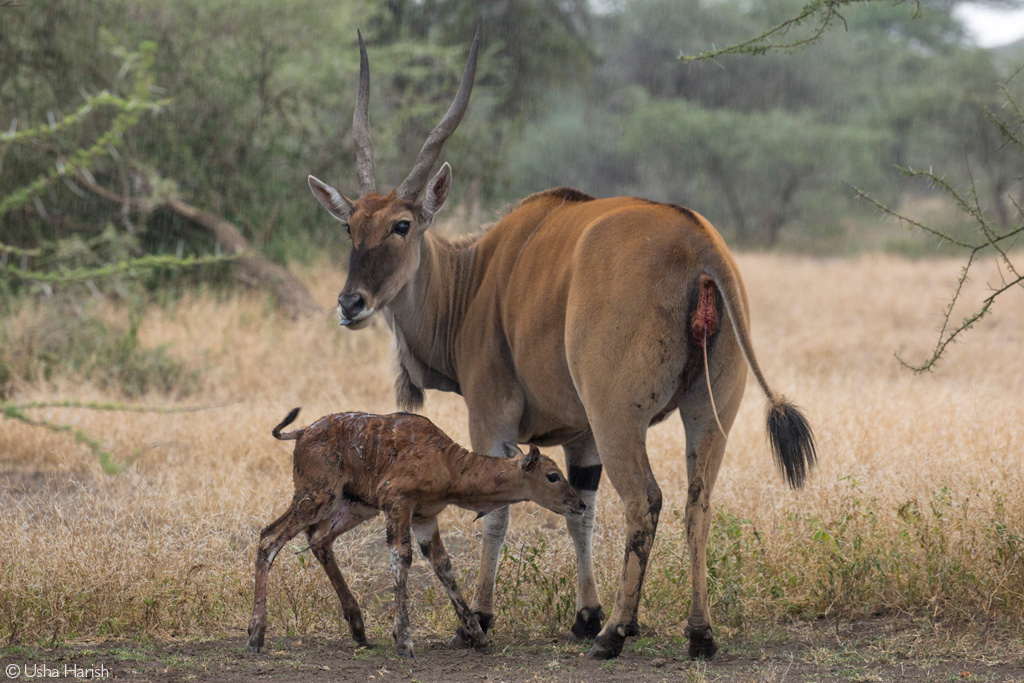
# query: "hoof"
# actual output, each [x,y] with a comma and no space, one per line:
[587,625]
[608,645]
[359,635]
[633,628]
[461,639]
[702,643]
[484,647]
[403,643]
[358,630]
[255,639]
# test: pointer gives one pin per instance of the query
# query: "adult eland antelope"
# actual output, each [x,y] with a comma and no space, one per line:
[574,321]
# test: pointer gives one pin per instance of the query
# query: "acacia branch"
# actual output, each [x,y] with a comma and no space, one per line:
[292,296]
[965,325]
[107,462]
[824,12]
[990,239]
[109,270]
[15,411]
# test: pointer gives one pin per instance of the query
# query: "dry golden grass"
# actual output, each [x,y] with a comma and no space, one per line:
[917,505]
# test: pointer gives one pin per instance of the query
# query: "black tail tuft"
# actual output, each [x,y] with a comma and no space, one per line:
[792,441]
[285,422]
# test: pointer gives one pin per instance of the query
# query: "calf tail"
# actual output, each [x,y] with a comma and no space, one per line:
[791,440]
[288,436]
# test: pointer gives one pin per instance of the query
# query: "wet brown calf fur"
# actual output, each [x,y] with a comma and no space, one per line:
[350,466]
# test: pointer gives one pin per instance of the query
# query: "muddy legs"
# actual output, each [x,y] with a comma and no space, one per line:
[272,539]
[276,535]
[473,631]
[349,607]
[641,523]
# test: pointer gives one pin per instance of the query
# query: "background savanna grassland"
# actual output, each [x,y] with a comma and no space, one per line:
[146,138]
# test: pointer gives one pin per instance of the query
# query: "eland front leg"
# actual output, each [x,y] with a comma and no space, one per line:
[584,474]
[492,427]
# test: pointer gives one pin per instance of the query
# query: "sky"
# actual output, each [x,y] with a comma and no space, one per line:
[992,27]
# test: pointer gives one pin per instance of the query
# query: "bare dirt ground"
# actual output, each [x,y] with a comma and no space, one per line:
[885,649]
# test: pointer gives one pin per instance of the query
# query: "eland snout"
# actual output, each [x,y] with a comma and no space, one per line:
[352,309]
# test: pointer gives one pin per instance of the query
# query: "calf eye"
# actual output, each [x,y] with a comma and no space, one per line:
[401,228]
[553,477]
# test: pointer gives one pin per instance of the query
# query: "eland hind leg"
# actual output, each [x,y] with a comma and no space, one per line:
[705,449]
[626,365]
[625,460]
[620,404]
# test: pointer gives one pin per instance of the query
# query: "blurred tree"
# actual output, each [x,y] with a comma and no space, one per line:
[67,270]
[957,110]
[770,145]
[763,169]
[235,121]
[262,94]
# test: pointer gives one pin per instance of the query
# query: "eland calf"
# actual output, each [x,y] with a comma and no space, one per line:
[348,467]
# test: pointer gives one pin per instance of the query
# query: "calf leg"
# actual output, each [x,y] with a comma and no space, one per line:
[429,538]
[324,553]
[272,539]
[399,543]
[584,470]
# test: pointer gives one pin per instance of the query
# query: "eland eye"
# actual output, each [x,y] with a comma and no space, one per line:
[401,228]
[348,230]
[553,477]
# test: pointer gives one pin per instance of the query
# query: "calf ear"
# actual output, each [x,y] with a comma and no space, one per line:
[511,450]
[530,460]
[335,202]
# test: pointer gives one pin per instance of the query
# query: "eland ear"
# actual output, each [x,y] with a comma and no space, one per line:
[437,191]
[530,460]
[335,202]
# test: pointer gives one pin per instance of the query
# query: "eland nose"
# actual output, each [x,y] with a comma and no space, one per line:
[351,304]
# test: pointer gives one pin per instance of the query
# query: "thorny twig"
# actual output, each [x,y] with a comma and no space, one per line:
[16,411]
[824,13]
